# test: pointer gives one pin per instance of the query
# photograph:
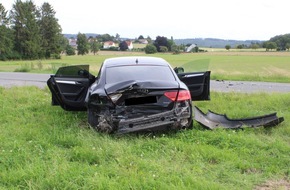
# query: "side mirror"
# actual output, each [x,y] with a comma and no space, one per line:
[179,70]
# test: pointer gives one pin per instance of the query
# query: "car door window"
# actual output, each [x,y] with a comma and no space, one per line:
[79,71]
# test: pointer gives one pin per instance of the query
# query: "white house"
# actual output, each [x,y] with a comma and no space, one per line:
[72,42]
[143,41]
[129,44]
[109,44]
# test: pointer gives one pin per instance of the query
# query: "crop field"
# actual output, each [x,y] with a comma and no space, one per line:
[246,66]
[45,147]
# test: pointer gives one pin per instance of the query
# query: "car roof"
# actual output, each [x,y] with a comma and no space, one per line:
[134,60]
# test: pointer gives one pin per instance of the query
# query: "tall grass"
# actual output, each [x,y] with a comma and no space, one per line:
[44,147]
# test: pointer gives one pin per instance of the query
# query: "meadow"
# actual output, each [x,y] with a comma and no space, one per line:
[45,147]
[232,65]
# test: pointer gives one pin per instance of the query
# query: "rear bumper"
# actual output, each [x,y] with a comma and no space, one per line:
[126,119]
[155,122]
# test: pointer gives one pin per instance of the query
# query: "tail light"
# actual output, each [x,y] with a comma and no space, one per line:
[178,95]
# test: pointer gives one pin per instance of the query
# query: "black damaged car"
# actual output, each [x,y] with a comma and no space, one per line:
[131,94]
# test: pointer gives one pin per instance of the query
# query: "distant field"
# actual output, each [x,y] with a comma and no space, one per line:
[139,45]
[233,50]
[224,65]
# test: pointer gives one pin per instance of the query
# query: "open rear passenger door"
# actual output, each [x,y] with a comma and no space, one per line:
[198,84]
[69,87]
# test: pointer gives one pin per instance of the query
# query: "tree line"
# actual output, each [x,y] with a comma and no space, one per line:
[30,32]
[278,43]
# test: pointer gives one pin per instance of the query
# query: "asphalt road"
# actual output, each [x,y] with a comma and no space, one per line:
[9,79]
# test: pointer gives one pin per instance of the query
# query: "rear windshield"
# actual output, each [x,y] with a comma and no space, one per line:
[140,72]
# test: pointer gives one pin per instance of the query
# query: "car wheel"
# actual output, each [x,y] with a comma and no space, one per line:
[92,119]
[190,123]
[99,122]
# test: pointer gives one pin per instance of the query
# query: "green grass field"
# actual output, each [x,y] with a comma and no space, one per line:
[247,66]
[44,147]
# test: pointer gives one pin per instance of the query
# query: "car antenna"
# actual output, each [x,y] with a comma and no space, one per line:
[136,61]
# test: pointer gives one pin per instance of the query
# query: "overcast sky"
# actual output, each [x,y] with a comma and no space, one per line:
[224,19]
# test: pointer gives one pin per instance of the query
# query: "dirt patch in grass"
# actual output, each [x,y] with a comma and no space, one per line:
[274,185]
[278,71]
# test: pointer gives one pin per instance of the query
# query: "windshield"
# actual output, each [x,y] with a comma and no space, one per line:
[138,72]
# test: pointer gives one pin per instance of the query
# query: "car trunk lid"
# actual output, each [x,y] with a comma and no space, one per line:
[138,98]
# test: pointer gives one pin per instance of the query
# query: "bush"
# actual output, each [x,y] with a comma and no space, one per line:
[175,49]
[10,56]
[150,49]
[70,50]
[55,56]
[163,49]
[23,68]
[114,48]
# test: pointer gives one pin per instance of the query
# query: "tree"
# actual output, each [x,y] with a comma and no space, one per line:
[255,46]
[281,41]
[50,31]
[82,42]
[175,49]
[288,46]
[63,43]
[140,37]
[105,37]
[70,50]
[117,38]
[94,46]
[160,41]
[228,47]
[149,39]
[170,43]
[4,20]
[26,29]
[239,46]
[270,45]
[150,49]
[6,34]
[123,46]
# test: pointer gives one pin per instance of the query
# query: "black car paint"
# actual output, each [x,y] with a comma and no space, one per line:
[213,120]
[85,92]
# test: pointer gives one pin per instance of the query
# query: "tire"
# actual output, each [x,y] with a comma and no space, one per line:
[190,123]
[99,123]
[92,119]
[190,120]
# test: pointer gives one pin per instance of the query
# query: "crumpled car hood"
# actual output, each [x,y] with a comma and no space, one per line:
[213,120]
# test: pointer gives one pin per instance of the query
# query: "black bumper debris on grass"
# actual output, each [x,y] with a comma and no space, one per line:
[213,120]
